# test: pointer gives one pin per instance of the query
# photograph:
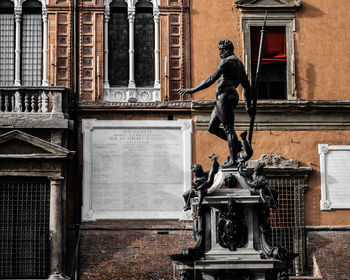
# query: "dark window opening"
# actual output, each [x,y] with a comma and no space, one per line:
[24,227]
[32,44]
[273,76]
[118,45]
[144,44]
[7,43]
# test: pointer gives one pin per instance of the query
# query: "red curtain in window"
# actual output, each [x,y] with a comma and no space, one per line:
[274,45]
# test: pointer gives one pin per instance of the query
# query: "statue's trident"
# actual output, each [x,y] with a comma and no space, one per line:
[256,82]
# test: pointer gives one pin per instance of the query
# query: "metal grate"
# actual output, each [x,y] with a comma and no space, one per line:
[24,227]
[7,49]
[31,49]
[287,221]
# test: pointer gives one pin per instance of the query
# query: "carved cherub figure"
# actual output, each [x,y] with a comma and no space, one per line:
[201,182]
[259,183]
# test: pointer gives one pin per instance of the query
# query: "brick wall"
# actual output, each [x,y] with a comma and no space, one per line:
[329,254]
[131,249]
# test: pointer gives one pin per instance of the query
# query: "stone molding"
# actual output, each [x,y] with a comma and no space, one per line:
[91,128]
[276,166]
[49,150]
[334,178]
[274,161]
[139,94]
[175,105]
[270,4]
[283,115]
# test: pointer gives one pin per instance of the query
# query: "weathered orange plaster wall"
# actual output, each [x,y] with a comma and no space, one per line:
[301,145]
[322,45]
[211,21]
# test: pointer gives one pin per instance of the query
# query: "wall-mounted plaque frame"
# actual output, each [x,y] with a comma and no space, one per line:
[335,176]
[135,169]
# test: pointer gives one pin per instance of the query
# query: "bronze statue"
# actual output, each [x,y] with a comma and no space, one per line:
[201,182]
[230,73]
[258,181]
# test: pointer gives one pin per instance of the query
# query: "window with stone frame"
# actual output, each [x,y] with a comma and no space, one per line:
[277,80]
[22,43]
[132,50]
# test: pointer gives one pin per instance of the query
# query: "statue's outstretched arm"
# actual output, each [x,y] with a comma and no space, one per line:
[205,83]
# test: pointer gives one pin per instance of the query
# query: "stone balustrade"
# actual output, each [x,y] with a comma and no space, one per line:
[37,100]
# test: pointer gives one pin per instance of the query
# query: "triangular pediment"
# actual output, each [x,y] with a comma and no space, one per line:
[268,3]
[18,143]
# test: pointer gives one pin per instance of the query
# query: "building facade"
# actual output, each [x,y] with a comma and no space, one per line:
[76,72]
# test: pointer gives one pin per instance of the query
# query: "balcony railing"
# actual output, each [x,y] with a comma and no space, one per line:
[37,100]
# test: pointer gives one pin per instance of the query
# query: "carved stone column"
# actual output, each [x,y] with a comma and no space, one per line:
[45,48]
[106,51]
[56,228]
[131,18]
[18,19]
[156,48]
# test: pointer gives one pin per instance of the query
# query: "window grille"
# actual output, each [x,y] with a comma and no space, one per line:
[31,49]
[287,221]
[7,49]
[24,227]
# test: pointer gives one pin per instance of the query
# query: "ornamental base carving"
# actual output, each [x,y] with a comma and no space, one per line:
[131,95]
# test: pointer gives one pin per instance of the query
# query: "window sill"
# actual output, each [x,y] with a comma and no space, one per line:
[131,95]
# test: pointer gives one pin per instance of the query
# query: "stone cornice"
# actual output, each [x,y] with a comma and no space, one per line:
[162,105]
[310,106]
[283,114]
[271,4]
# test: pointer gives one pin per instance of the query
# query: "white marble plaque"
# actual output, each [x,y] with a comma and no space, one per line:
[135,169]
[335,176]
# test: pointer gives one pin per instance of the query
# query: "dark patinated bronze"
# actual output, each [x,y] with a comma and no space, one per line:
[201,182]
[230,73]
[231,227]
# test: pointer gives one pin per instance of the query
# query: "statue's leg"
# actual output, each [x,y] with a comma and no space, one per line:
[247,148]
[231,142]
[214,125]
[226,115]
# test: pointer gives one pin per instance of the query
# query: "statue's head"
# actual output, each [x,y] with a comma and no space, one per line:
[225,48]
[197,169]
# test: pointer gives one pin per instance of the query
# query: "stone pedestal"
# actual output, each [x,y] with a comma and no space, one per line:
[229,238]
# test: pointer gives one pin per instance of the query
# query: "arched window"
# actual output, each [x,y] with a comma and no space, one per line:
[131,55]
[7,43]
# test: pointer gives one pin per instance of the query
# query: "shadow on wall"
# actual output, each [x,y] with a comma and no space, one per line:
[311,80]
[310,11]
